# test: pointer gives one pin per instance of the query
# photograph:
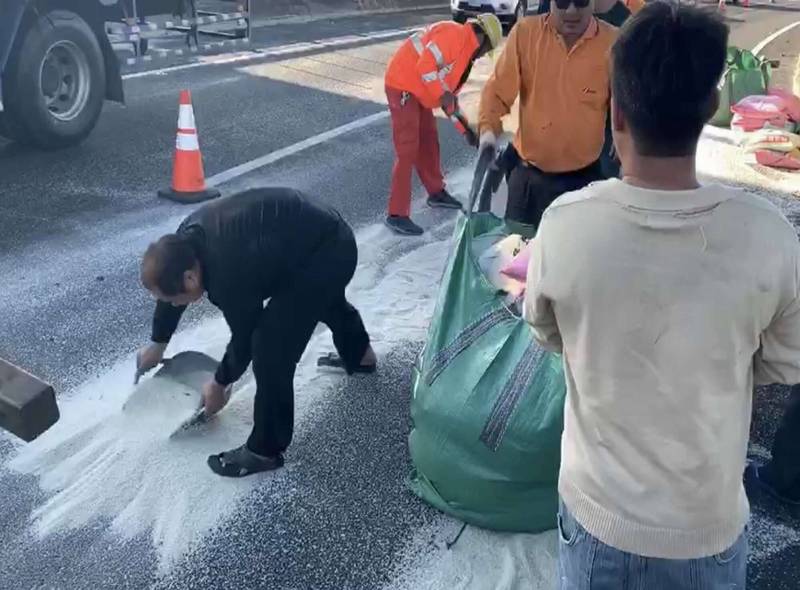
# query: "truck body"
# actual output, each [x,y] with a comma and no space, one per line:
[58,65]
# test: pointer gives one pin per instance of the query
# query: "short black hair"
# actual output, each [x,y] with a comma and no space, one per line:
[666,65]
[165,263]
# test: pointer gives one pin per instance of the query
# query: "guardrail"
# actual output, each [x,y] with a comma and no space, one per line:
[146,34]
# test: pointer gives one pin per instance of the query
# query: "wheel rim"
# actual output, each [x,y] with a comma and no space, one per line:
[64,80]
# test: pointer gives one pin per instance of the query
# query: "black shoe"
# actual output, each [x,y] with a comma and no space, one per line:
[443,200]
[755,482]
[334,361]
[242,461]
[403,226]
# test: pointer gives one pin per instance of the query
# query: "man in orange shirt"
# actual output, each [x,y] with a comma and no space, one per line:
[557,65]
[427,72]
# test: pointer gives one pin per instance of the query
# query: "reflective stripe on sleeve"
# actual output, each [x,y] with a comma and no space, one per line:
[416,41]
[437,54]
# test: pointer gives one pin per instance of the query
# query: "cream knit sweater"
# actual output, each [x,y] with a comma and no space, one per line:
[665,305]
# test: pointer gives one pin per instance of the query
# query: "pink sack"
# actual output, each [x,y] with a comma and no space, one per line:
[748,124]
[760,106]
[787,161]
[790,101]
[518,268]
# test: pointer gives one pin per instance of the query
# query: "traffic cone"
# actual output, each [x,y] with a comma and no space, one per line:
[188,179]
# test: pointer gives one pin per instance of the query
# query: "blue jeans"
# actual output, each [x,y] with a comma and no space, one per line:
[586,563]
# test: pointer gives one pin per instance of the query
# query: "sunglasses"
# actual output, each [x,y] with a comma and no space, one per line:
[564,4]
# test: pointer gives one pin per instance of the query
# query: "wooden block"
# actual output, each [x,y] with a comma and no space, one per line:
[27,404]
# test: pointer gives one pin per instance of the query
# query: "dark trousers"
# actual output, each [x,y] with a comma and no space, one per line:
[783,471]
[530,191]
[285,327]
[609,164]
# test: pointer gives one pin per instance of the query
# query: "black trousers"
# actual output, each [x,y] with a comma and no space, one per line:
[530,190]
[285,328]
[783,471]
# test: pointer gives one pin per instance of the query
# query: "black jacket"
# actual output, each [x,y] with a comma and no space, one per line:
[249,246]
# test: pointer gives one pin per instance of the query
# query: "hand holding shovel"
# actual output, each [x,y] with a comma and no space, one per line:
[148,358]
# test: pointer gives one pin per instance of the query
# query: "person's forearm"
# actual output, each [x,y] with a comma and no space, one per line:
[233,364]
[242,320]
[165,321]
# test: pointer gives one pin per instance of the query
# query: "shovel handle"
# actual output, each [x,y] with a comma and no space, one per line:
[139,373]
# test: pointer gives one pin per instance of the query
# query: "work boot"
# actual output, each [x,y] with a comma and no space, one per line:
[444,200]
[403,226]
[756,480]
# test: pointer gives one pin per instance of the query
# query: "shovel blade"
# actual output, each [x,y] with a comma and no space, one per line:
[173,394]
[197,418]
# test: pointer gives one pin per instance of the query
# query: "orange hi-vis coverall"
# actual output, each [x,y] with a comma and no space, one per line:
[427,65]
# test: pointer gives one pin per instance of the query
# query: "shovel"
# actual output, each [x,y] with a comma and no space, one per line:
[199,416]
[190,370]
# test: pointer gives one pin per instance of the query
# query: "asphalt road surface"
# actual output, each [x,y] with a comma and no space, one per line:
[72,227]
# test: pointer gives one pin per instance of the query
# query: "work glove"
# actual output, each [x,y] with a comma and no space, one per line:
[487,140]
[147,358]
[449,104]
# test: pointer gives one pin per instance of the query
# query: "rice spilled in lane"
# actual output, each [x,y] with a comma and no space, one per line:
[132,504]
[102,464]
[482,560]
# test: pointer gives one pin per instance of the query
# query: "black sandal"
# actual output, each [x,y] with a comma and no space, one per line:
[241,462]
[334,361]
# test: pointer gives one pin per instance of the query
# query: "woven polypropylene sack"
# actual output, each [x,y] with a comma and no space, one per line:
[745,75]
[487,405]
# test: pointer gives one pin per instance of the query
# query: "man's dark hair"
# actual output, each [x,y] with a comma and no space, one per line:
[666,65]
[165,262]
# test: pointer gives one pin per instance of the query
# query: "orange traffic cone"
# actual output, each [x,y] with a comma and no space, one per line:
[188,179]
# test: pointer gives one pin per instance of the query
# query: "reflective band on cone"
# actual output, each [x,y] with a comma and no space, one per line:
[186,117]
[188,178]
[187,142]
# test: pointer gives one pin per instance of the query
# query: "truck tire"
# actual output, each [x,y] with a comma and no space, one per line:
[56,85]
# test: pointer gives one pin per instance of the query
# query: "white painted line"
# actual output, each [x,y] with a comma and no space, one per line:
[760,47]
[280,50]
[293,149]
[342,14]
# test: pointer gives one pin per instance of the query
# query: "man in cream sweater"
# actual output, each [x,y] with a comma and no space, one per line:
[668,299]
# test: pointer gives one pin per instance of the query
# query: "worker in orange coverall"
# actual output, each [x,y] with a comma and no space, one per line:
[427,72]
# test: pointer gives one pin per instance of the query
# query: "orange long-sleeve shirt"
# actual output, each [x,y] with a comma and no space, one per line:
[563,93]
[432,62]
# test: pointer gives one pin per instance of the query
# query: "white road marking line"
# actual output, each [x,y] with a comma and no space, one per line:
[293,149]
[308,18]
[764,42]
[277,51]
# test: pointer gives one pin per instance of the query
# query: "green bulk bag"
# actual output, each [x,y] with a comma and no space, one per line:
[488,401]
[745,75]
